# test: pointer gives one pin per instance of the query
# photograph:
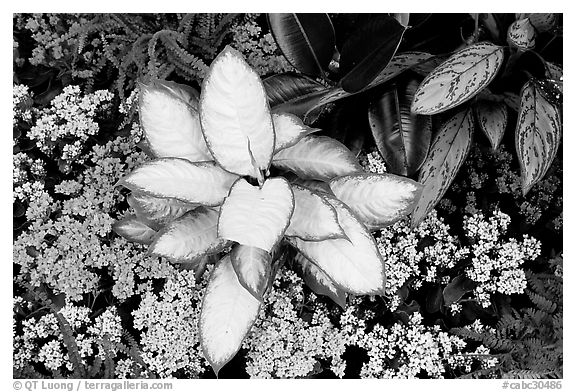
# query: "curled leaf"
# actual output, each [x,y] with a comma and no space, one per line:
[254,216]
[522,34]
[227,315]
[253,267]
[378,200]
[447,153]
[198,183]
[458,79]
[133,229]
[235,116]
[493,119]
[190,237]
[318,158]
[538,133]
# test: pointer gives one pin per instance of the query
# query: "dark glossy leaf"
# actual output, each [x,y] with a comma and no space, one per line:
[368,51]
[459,286]
[291,93]
[306,40]
[18,209]
[434,300]
[402,137]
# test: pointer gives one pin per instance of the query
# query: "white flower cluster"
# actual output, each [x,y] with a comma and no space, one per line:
[412,350]
[282,344]
[372,162]
[41,341]
[70,115]
[21,104]
[408,260]
[169,327]
[497,261]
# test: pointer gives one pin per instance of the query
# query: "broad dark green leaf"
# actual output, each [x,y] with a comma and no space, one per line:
[368,51]
[306,40]
[447,153]
[402,137]
[543,22]
[538,133]
[459,286]
[434,299]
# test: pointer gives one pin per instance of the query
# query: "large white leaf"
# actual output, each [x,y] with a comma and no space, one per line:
[133,229]
[317,158]
[314,218]
[492,118]
[378,200]
[202,182]
[447,153]
[255,216]
[253,267]
[184,92]
[171,125]
[190,237]
[458,79]
[228,312]
[235,116]
[538,133]
[289,130]
[158,211]
[319,282]
[355,264]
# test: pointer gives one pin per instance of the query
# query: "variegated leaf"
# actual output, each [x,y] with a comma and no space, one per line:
[253,267]
[314,219]
[522,34]
[493,119]
[554,71]
[171,125]
[319,282]
[190,237]
[355,264]
[257,216]
[317,158]
[289,130]
[133,229]
[447,153]
[458,79]
[198,183]
[235,116]
[228,312]
[378,200]
[158,211]
[538,133]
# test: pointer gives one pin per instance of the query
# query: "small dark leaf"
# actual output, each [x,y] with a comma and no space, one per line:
[402,137]
[434,300]
[368,51]
[18,209]
[306,40]
[459,286]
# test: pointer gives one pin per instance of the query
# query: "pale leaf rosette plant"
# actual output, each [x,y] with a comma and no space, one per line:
[212,193]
